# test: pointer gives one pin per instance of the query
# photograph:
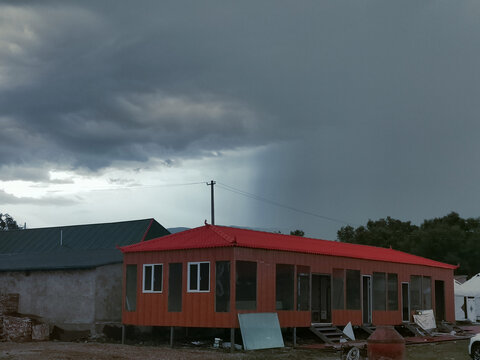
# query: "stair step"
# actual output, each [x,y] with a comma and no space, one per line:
[327,333]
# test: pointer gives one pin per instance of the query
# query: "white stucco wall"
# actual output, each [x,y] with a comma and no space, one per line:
[70,299]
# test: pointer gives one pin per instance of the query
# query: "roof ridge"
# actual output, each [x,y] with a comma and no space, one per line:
[148,229]
[78,225]
[215,229]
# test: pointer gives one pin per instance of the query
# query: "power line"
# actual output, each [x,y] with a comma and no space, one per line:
[113,187]
[271,202]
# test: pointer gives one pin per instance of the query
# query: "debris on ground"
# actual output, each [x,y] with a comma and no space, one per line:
[17,327]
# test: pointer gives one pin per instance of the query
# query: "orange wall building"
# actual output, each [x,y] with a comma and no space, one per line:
[205,276]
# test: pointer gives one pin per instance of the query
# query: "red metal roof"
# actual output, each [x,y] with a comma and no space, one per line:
[212,236]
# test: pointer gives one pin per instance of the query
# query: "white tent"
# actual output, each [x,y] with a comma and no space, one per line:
[467,299]
[460,302]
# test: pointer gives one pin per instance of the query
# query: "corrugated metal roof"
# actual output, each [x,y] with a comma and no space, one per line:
[74,246]
[210,236]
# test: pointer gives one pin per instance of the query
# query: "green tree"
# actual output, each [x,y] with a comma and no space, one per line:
[297,233]
[450,239]
[7,222]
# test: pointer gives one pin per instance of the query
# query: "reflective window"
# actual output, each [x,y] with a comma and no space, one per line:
[246,285]
[199,276]
[338,289]
[285,286]
[353,289]
[152,278]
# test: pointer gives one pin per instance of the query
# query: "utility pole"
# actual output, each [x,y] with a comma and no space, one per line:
[212,183]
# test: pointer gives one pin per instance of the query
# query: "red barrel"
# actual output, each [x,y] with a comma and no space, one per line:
[386,343]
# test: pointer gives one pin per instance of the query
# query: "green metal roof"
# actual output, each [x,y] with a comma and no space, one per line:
[72,247]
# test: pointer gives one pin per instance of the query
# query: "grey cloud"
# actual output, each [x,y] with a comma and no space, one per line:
[376,101]
[100,91]
[23,172]
[9,199]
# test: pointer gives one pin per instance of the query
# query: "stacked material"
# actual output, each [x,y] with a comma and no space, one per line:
[17,327]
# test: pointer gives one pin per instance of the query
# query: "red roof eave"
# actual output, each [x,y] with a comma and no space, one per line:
[213,236]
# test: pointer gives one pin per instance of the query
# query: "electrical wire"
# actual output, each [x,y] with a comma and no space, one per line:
[274,203]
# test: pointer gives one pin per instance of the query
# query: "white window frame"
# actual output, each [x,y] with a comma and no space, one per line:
[198,277]
[152,279]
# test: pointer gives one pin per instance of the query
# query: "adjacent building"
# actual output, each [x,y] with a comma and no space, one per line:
[71,276]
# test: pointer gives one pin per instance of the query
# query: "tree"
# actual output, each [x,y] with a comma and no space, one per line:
[297,233]
[7,222]
[448,239]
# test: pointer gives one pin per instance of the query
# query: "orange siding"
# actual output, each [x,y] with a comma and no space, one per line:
[198,309]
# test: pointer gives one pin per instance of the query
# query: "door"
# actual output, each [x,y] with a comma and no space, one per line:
[405,302]
[471,314]
[321,299]
[366,299]
[439,300]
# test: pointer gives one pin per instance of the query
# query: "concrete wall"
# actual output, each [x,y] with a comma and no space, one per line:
[108,294]
[70,299]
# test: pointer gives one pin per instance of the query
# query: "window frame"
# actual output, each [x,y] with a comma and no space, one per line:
[131,291]
[353,285]
[338,289]
[152,280]
[392,292]
[283,300]
[243,302]
[379,291]
[198,263]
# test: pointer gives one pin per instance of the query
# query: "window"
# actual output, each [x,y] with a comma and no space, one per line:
[303,288]
[285,286]
[222,286]
[420,292]
[379,291]
[353,289]
[426,292]
[199,277]
[392,288]
[246,285]
[175,287]
[415,292]
[152,278]
[338,291]
[131,288]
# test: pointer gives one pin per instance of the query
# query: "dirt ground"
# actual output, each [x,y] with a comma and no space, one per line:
[451,350]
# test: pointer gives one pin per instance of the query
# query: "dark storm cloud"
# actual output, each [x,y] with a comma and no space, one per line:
[368,108]
[84,86]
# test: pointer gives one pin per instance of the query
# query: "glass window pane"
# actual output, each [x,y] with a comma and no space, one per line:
[303,288]
[246,285]
[157,277]
[415,292]
[222,286]
[285,286]
[147,278]
[193,276]
[204,276]
[426,293]
[353,289]
[379,291]
[131,288]
[392,292]
[338,290]
[175,287]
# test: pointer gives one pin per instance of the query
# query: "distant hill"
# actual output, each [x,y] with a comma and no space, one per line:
[177,229]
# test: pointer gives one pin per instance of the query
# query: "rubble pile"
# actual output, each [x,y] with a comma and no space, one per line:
[16,327]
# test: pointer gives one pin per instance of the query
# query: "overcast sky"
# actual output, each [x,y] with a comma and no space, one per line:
[340,111]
